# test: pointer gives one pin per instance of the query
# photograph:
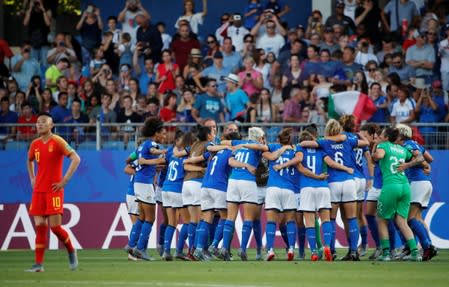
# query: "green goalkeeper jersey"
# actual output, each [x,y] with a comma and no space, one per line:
[394,156]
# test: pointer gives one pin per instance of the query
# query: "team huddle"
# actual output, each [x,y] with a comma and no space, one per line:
[378,179]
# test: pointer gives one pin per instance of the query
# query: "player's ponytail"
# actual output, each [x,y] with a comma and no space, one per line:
[306,136]
[332,128]
[347,122]
[285,136]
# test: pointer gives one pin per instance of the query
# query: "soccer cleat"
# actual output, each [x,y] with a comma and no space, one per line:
[328,254]
[320,252]
[429,253]
[73,260]
[417,258]
[224,253]
[128,249]
[132,258]
[347,257]
[242,254]
[160,249]
[270,255]
[142,254]
[384,258]
[290,254]
[191,257]
[36,268]
[362,250]
[355,256]
[300,257]
[207,255]
[314,256]
[214,251]
[182,256]
[259,254]
[403,253]
[166,256]
[376,254]
[199,255]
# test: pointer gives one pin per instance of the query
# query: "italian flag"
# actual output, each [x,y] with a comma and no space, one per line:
[351,103]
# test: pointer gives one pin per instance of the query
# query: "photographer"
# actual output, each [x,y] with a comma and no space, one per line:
[260,29]
[427,112]
[90,26]
[62,49]
[24,67]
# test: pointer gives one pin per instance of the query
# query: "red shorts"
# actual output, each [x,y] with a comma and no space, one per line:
[47,203]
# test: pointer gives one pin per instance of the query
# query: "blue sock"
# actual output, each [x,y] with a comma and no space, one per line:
[203,235]
[392,234]
[135,233]
[212,228]
[191,234]
[283,230]
[353,233]
[228,232]
[327,233]
[301,239]
[246,233]
[145,231]
[333,233]
[168,236]
[364,235]
[161,239]
[218,233]
[291,234]
[270,231]
[183,233]
[420,231]
[199,230]
[311,237]
[372,225]
[257,227]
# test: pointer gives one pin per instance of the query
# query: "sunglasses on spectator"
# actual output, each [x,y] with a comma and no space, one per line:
[210,42]
[213,86]
[248,41]
[372,70]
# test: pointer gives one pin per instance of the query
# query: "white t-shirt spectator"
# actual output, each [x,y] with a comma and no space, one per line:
[402,111]
[129,25]
[237,34]
[271,44]
[166,40]
[363,58]
[194,20]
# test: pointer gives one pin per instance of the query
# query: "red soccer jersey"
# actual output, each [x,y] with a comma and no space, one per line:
[49,157]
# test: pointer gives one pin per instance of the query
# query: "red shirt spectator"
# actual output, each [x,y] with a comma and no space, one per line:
[166,73]
[27,117]
[182,46]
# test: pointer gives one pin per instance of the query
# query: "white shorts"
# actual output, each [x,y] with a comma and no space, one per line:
[212,199]
[360,186]
[315,198]
[261,193]
[171,199]
[421,191]
[133,206]
[191,193]
[241,191]
[144,192]
[373,194]
[158,194]
[281,199]
[298,201]
[343,191]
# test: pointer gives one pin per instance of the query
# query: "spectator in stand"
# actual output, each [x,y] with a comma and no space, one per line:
[231,58]
[236,99]
[116,32]
[24,67]
[403,110]
[406,73]
[262,66]
[349,67]
[179,87]
[217,72]
[166,73]
[46,102]
[72,92]
[285,56]
[250,79]
[97,62]
[314,24]
[421,57]
[293,76]
[152,91]
[104,114]
[149,39]
[90,26]
[438,96]
[7,117]
[182,45]
[271,41]
[310,67]
[220,33]
[78,117]
[128,115]
[62,115]
[34,92]
[292,107]
[212,46]
[166,38]
[329,40]
[53,72]
[364,54]
[111,89]
[266,111]
[237,32]
[38,20]
[62,49]
[194,61]
[443,49]
[208,105]
[124,76]
[184,110]
[168,113]
[359,83]
[128,17]
[252,13]
[381,102]
[61,86]
[194,19]
[126,50]
[368,14]
[19,99]
[398,11]
[278,7]
[371,68]
[432,41]
[427,112]
[146,75]
[340,18]
[26,133]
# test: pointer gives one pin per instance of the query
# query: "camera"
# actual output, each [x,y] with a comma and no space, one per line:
[268,16]
[90,9]
[248,75]
[365,44]
[26,50]
[61,44]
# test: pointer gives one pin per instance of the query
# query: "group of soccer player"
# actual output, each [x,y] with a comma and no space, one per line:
[202,182]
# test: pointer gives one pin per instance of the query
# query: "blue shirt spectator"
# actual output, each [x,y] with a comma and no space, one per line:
[6,117]
[208,105]
[24,67]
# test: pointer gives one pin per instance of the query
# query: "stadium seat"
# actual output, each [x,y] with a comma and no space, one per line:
[88,145]
[16,145]
[113,145]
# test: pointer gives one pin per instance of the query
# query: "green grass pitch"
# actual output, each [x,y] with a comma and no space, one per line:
[111,268]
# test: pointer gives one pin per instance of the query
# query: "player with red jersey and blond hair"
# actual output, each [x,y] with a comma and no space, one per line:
[48,151]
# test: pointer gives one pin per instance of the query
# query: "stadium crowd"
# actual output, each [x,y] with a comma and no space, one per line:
[255,68]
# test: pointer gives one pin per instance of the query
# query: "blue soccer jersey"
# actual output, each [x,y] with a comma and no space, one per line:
[377,181]
[175,174]
[245,155]
[313,160]
[145,173]
[218,170]
[131,180]
[358,157]
[285,177]
[415,173]
[163,172]
[342,153]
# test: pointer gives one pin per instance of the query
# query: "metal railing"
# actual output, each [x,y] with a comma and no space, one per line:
[125,136]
